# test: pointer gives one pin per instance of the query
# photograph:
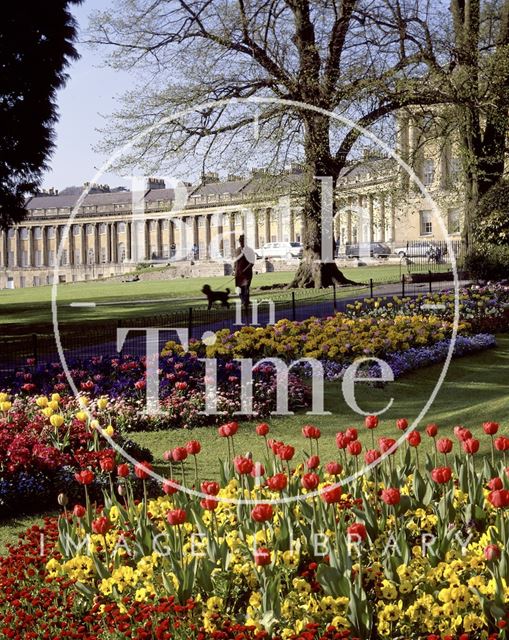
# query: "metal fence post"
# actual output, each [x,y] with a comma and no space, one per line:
[430,282]
[402,286]
[294,311]
[334,295]
[190,323]
[34,346]
[371,287]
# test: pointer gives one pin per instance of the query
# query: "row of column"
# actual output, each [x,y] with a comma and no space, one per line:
[368,218]
[143,239]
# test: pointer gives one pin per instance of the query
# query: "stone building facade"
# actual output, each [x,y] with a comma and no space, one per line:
[109,233]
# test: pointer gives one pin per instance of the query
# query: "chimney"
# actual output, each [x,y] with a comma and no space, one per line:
[156,183]
[209,177]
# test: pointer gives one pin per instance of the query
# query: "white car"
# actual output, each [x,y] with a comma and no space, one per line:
[286,250]
[414,249]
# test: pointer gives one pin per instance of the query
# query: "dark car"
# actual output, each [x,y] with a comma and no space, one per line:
[368,249]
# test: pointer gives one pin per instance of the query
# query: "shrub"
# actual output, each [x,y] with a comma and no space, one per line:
[491,225]
[488,262]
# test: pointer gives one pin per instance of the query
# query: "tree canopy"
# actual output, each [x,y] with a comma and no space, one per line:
[36,45]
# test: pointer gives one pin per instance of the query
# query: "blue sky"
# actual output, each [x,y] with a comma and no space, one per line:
[90,93]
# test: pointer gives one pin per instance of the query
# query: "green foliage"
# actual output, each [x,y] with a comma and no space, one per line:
[488,262]
[491,225]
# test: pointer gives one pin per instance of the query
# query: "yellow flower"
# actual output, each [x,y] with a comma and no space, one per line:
[4,397]
[215,604]
[41,401]
[47,412]
[55,397]
[5,406]
[53,405]
[81,416]
[109,430]
[57,420]
[102,403]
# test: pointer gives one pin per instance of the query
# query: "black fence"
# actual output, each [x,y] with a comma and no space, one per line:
[101,340]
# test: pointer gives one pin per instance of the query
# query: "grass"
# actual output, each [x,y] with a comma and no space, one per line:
[120,300]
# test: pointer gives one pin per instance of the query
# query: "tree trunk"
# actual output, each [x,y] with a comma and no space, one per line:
[313,271]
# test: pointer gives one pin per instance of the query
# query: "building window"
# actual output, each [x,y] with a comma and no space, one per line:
[428,172]
[455,168]
[51,258]
[426,222]
[453,220]
[121,252]
[77,256]
[103,254]
[38,258]
[22,282]
[63,257]
[24,259]
[10,258]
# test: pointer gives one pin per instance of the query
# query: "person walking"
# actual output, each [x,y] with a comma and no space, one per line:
[244,260]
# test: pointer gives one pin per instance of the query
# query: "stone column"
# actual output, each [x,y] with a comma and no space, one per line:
[196,237]
[128,242]
[147,252]
[267,225]
[83,237]
[232,235]
[370,218]
[97,244]
[220,232]
[159,239]
[292,226]
[349,222]
[108,242]
[114,242]
[30,247]
[382,217]
[15,248]
[44,247]
[208,235]
[5,250]
[256,230]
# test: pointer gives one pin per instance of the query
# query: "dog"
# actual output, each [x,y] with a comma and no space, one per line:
[216,296]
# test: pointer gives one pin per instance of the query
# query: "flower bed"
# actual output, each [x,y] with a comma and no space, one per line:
[486,309]
[411,550]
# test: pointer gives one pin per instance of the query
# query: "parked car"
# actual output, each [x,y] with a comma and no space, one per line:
[280,250]
[415,249]
[365,249]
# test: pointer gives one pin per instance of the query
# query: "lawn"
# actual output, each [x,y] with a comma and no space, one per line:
[121,300]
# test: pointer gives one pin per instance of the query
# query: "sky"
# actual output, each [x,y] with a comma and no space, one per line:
[88,95]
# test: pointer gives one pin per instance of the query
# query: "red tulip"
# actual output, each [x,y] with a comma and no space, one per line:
[402,424]
[277,482]
[492,552]
[371,455]
[311,432]
[331,494]
[193,447]
[210,488]
[495,483]
[209,504]
[286,452]
[354,448]
[310,481]
[123,470]
[333,468]
[461,433]
[170,487]
[243,466]
[357,532]
[275,445]
[179,454]
[351,434]
[414,438]
[444,445]
[501,443]
[107,465]
[141,470]
[313,462]
[432,429]
[386,444]
[441,475]
[341,440]
[262,557]
[79,510]
[262,429]
[391,496]
[85,476]
[499,498]
[176,516]
[231,428]
[371,422]
[262,512]
[101,525]
[470,446]
[490,428]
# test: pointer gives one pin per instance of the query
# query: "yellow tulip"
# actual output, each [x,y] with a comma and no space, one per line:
[5,406]
[55,397]
[102,403]
[54,405]
[56,420]
[47,411]
[42,401]
[94,424]
[84,401]
[4,397]
[109,430]
[81,416]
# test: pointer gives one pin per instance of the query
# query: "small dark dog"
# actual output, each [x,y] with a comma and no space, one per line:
[216,296]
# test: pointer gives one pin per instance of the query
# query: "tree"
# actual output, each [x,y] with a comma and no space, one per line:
[36,45]
[345,56]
